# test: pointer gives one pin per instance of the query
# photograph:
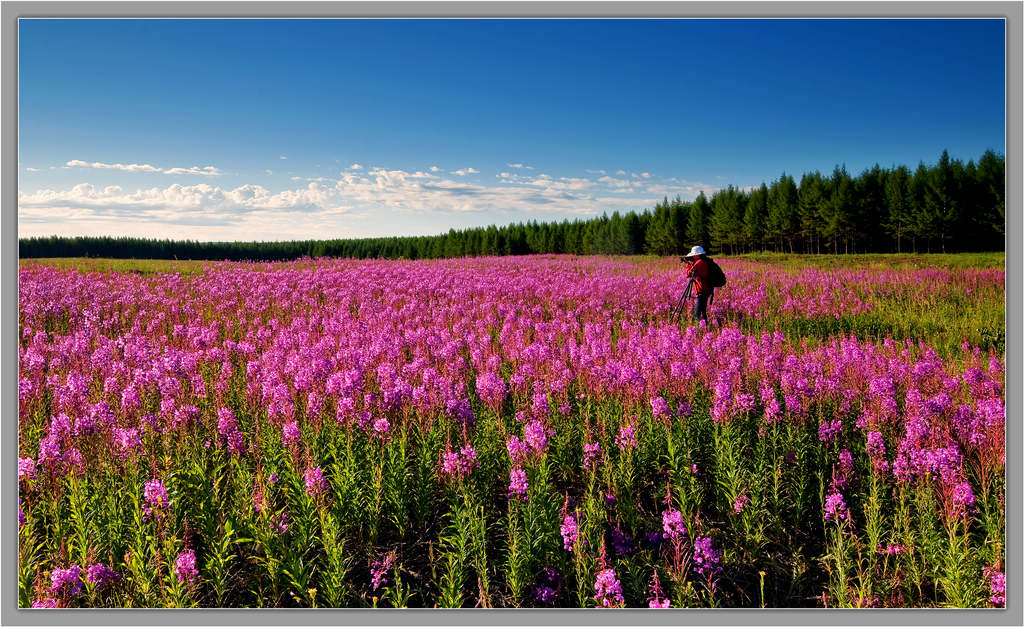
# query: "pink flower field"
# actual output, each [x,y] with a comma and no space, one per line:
[510,432]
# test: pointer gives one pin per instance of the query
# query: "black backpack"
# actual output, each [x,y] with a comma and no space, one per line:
[716,278]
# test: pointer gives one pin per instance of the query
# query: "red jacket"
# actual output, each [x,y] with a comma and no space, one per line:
[700,271]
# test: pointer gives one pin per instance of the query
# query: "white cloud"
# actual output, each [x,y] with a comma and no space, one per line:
[134,167]
[379,196]
[355,166]
[206,171]
[269,171]
[283,157]
[620,172]
[465,171]
[596,172]
[645,175]
[143,167]
[31,169]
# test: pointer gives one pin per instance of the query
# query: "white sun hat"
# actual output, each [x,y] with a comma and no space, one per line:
[696,250]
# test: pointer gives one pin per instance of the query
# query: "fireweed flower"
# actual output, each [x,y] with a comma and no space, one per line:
[156,502]
[185,566]
[621,543]
[963,498]
[379,569]
[126,442]
[740,502]
[101,576]
[536,436]
[876,451]
[672,524]
[592,455]
[45,603]
[290,434]
[656,600]
[570,532]
[228,429]
[382,428]
[517,485]
[627,437]
[835,507]
[997,583]
[66,581]
[829,431]
[315,481]
[607,589]
[706,558]
[518,451]
[549,587]
[280,523]
[26,469]
[659,407]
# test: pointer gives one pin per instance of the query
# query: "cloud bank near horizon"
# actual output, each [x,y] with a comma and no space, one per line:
[358,202]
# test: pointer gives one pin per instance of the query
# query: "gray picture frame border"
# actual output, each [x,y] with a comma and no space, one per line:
[11,12]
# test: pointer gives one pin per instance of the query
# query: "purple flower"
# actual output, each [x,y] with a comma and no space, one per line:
[592,455]
[740,502]
[290,434]
[379,569]
[101,576]
[280,523]
[536,436]
[491,389]
[26,469]
[706,558]
[45,603]
[998,585]
[517,485]
[156,500]
[382,428]
[540,405]
[185,566]
[450,464]
[607,589]
[627,437]
[549,587]
[570,532]
[655,601]
[835,507]
[518,450]
[66,580]
[829,431]
[315,482]
[672,524]
[659,407]
[545,594]
[273,478]
[876,451]
[127,441]
[621,543]
[227,428]
[963,498]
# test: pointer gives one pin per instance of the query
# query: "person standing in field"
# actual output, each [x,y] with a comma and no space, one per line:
[699,270]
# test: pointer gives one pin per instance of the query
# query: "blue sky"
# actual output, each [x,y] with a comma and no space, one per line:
[281,129]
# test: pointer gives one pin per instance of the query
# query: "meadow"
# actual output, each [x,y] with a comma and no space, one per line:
[512,432]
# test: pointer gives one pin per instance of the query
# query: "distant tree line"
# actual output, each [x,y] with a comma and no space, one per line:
[948,207]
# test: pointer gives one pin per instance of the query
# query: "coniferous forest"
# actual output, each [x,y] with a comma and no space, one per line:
[947,207]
